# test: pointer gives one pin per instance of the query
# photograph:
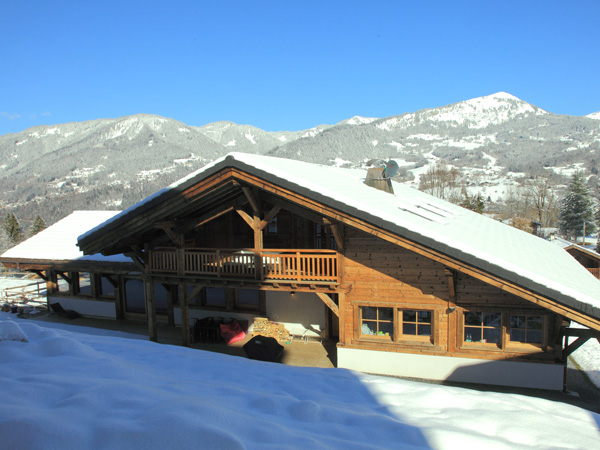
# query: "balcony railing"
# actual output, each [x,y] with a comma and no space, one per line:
[301,266]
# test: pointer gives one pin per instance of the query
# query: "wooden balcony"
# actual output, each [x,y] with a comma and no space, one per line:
[274,266]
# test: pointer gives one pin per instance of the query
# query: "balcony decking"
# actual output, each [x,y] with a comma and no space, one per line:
[269,266]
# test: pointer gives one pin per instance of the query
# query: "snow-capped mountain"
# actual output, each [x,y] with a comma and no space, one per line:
[112,163]
[477,113]
[595,115]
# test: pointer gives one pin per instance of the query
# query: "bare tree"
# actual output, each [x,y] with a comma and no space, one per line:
[441,181]
[540,196]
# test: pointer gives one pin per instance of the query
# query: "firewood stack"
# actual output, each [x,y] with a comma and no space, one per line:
[264,327]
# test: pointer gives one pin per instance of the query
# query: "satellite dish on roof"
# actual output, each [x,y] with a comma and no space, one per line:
[390,168]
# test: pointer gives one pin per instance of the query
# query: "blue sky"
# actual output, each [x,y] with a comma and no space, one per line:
[283,65]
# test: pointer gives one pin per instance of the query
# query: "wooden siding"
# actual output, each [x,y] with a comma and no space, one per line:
[378,273]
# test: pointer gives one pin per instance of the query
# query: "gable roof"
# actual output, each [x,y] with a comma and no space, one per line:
[58,243]
[473,239]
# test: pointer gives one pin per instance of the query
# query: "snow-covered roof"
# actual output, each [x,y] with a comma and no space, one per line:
[468,237]
[59,241]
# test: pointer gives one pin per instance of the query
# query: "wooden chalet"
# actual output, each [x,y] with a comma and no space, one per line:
[407,284]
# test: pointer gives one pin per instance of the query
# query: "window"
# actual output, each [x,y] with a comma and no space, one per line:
[248,299]
[215,297]
[107,289]
[134,296]
[377,321]
[527,329]
[272,227]
[85,283]
[483,327]
[416,323]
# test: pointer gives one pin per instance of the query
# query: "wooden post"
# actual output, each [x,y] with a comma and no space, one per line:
[50,286]
[119,297]
[342,305]
[451,313]
[180,262]
[170,310]
[185,315]
[150,310]
[258,248]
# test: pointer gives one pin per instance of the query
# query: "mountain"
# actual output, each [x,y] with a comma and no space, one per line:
[113,163]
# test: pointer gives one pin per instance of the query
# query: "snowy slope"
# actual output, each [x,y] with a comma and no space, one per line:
[73,389]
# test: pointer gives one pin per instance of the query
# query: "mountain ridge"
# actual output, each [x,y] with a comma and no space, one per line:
[108,163]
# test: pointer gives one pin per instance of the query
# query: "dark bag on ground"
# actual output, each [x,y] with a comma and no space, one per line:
[264,349]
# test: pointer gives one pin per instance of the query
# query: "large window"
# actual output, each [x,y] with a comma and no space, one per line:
[408,326]
[509,330]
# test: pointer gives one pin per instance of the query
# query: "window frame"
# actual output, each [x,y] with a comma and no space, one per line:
[505,344]
[398,338]
[483,327]
[248,307]
[527,345]
[377,336]
[416,336]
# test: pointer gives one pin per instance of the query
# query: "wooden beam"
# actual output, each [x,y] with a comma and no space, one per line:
[169,228]
[251,199]
[583,335]
[65,277]
[40,274]
[270,215]
[110,279]
[329,302]
[134,256]
[337,230]
[247,218]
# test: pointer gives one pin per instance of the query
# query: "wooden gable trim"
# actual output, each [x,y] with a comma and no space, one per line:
[419,249]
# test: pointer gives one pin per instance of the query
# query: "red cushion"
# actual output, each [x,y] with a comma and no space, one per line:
[232,332]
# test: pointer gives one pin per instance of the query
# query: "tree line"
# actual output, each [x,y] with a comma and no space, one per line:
[533,205]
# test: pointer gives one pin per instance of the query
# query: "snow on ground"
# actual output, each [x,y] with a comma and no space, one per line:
[71,390]
[80,387]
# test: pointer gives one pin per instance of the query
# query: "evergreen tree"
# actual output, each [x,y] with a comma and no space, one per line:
[473,202]
[38,225]
[13,228]
[575,208]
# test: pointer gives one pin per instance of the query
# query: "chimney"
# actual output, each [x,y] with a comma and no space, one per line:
[375,178]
